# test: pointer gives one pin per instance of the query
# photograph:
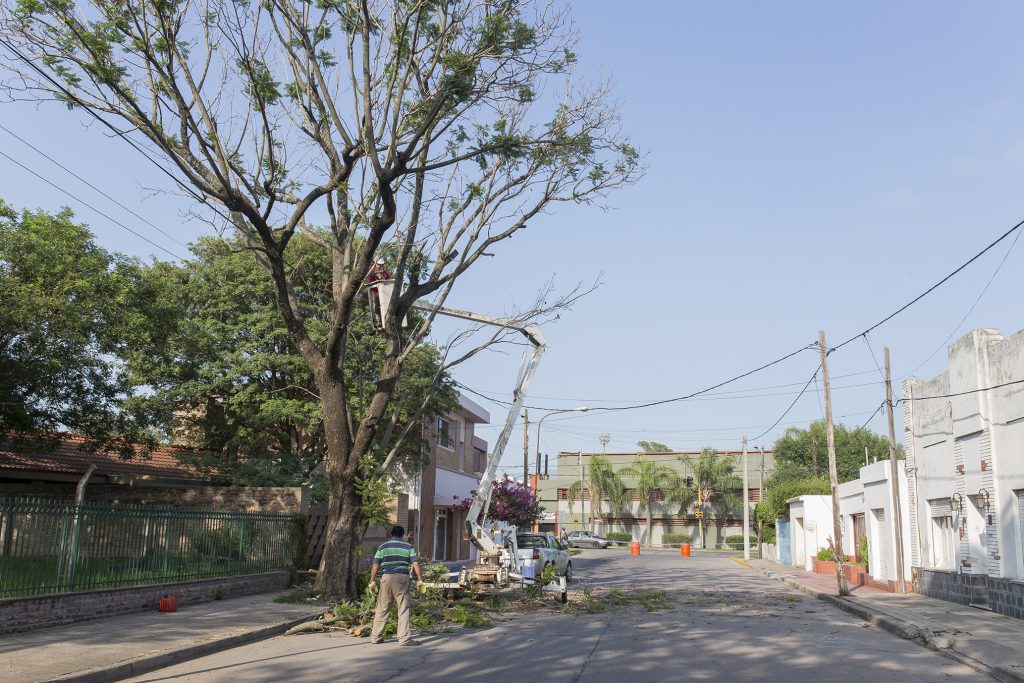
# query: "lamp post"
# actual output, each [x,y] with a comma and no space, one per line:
[536,479]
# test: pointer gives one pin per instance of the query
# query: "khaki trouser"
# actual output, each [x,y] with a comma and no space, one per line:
[393,588]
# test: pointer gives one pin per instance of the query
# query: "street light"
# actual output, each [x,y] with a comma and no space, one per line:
[536,479]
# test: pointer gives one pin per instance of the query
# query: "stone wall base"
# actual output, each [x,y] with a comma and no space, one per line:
[26,614]
[1004,596]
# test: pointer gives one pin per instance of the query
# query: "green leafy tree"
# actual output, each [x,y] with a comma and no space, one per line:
[225,378]
[803,453]
[68,310]
[422,133]
[602,483]
[777,493]
[653,447]
[651,480]
[715,488]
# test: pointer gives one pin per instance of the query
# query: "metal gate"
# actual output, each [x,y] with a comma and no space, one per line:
[782,537]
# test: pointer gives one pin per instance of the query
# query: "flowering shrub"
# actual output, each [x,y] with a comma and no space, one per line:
[514,503]
[463,504]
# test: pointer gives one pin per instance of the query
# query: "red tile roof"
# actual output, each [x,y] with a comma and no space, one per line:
[68,457]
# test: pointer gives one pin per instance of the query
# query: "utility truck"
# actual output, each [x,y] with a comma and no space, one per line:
[498,563]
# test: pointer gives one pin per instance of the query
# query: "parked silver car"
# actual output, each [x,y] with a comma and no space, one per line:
[587,539]
[538,550]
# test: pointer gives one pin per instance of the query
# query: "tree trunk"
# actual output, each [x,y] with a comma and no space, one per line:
[338,570]
[650,523]
[337,576]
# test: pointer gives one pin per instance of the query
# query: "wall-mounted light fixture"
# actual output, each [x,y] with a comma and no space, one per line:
[956,502]
[983,499]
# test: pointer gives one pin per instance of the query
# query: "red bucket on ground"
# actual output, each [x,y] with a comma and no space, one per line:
[684,550]
[634,548]
[169,603]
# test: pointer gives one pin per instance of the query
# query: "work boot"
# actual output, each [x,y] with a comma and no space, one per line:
[411,642]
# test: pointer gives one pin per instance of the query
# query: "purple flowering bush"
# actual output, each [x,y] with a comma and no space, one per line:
[514,503]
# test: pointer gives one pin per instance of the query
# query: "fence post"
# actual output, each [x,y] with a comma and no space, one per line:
[8,532]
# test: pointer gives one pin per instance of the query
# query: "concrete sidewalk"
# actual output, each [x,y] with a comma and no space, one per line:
[118,647]
[986,641]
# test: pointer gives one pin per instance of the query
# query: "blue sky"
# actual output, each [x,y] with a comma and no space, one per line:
[811,165]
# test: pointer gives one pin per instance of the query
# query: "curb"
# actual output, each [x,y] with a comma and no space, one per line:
[147,663]
[901,628]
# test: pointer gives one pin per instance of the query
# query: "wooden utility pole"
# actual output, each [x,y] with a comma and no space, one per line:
[746,505]
[837,527]
[526,448]
[894,473]
[814,456]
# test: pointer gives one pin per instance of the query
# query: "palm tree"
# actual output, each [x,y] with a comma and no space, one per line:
[601,482]
[716,486]
[652,477]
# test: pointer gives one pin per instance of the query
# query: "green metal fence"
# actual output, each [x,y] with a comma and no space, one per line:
[54,546]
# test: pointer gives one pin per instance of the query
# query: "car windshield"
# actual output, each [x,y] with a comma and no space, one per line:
[532,541]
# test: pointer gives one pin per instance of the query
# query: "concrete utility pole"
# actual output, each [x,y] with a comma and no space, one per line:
[526,448]
[583,501]
[837,527]
[894,473]
[746,505]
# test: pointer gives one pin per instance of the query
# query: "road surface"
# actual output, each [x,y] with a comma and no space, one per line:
[726,623]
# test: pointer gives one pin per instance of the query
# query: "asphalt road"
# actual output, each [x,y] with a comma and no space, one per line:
[726,623]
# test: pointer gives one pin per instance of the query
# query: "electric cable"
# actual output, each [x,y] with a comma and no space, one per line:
[969,310]
[90,206]
[786,411]
[907,399]
[118,132]
[75,175]
[930,289]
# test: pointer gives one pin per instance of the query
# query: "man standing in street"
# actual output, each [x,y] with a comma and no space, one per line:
[396,560]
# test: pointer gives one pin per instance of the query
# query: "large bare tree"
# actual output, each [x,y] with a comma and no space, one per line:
[420,132]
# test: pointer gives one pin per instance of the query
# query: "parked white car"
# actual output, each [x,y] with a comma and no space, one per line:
[538,550]
[587,539]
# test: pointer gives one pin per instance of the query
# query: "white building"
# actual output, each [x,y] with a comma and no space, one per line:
[811,526]
[866,510]
[965,464]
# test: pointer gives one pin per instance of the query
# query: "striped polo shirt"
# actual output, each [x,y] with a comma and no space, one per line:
[394,557]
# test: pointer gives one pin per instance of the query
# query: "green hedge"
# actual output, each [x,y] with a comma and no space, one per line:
[673,539]
[736,541]
[825,555]
[621,536]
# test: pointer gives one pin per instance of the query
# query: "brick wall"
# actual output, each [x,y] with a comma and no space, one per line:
[26,614]
[227,498]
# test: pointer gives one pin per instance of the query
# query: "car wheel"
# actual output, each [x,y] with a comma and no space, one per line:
[568,572]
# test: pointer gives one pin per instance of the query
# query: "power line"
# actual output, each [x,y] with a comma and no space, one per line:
[786,411]
[118,132]
[72,173]
[961,393]
[971,309]
[930,289]
[576,399]
[90,206]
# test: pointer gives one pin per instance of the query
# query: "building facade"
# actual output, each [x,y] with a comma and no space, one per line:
[581,513]
[866,511]
[964,432]
[454,463]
